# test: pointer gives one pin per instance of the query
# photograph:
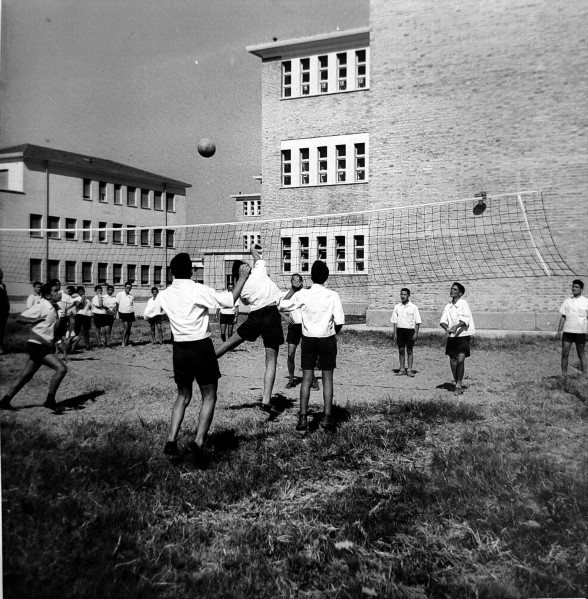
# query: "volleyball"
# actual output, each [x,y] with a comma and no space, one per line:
[206,148]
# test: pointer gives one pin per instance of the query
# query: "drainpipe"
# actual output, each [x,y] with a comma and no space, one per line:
[47,220]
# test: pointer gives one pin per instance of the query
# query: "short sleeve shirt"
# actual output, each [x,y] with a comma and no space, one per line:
[575,309]
[125,302]
[406,316]
[33,299]
[320,309]
[453,313]
[43,332]
[259,290]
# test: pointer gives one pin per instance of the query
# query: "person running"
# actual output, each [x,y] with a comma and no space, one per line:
[262,296]
[228,317]
[4,310]
[35,297]
[573,326]
[406,321]
[187,306]
[155,322]
[458,323]
[82,320]
[45,317]
[126,311]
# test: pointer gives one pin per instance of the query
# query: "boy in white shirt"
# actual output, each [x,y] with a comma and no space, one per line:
[322,318]
[82,320]
[406,320]
[155,322]
[44,316]
[573,326]
[35,297]
[187,306]
[458,323]
[227,317]
[126,311]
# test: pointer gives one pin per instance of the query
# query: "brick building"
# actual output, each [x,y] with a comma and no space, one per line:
[434,101]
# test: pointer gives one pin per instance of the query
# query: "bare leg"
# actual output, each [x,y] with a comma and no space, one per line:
[401,359]
[160,332]
[307,376]
[409,358]
[179,409]
[126,333]
[25,376]
[328,391]
[60,371]
[291,365]
[223,332]
[453,364]
[565,353]
[582,356]
[459,372]
[152,328]
[209,393]
[271,359]
[229,344]
[108,334]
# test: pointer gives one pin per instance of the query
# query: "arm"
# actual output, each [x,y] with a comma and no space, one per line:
[393,331]
[416,332]
[236,314]
[560,327]
[244,272]
[29,319]
[255,252]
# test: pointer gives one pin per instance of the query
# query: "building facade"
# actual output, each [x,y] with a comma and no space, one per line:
[84,220]
[432,102]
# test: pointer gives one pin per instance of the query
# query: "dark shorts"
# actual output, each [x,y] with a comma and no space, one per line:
[155,319]
[62,328]
[195,360]
[458,345]
[37,351]
[227,319]
[82,322]
[294,334]
[103,320]
[577,338]
[127,316]
[404,337]
[314,348]
[265,322]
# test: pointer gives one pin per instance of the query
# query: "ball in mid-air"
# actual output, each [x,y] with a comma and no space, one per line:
[206,148]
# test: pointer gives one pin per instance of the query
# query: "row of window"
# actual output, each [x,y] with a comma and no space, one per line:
[91,273]
[146,198]
[325,161]
[335,72]
[117,234]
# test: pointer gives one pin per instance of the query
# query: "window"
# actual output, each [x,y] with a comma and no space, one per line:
[102,272]
[360,69]
[132,197]
[229,280]
[322,164]
[131,273]
[86,233]
[118,194]
[117,274]
[250,239]
[87,189]
[304,254]
[144,236]
[70,225]
[323,74]
[53,224]
[169,238]
[86,272]
[35,269]
[53,269]
[286,79]
[342,71]
[157,201]
[340,252]
[157,238]
[157,275]
[102,191]
[360,162]
[358,252]
[117,233]
[252,208]
[4,179]
[321,253]
[304,76]
[131,235]
[286,167]
[144,198]
[170,204]
[341,162]
[36,222]
[304,166]
[286,254]
[70,271]
[102,232]
[144,275]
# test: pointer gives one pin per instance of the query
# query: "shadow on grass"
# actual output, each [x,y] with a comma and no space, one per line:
[77,402]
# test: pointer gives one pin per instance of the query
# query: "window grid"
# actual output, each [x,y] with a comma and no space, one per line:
[70,223]
[117,233]
[360,162]
[118,194]
[169,238]
[70,271]
[144,236]
[323,74]
[286,254]
[86,272]
[342,71]
[102,234]
[131,235]
[359,252]
[144,275]
[340,252]
[87,235]
[87,189]
[35,222]
[360,68]
[102,272]
[305,76]
[53,224]
[132,197]
[131,273]
[287,79]
[102,191]
[157,275]
[304,166]
[304,254]
[35,269]
[117,274]
[321,247]
[341,152]
[322,164]
[157,238]
[286,167]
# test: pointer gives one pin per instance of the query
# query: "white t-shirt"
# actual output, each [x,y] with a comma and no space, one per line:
[320,309]
[109,302]
[84,307]
[575,309]
[43,332]
[32,300]
[125,302]
[96,308]
[406,316]
[453,313]
[150,307]
[67,302]
[186,304]
[232,310]
[259,290]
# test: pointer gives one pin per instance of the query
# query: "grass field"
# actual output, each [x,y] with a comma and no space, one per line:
[416,495]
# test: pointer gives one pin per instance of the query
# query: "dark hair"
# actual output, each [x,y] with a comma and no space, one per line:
[98,287]
[80,288]
[35,283]
[578,282]
[236,267]
[55,282]
[181,266]
[128,283]
[459,286]
[154,289]
[68,288]
[319,272]
[109,287]
[405,289]
[46,289]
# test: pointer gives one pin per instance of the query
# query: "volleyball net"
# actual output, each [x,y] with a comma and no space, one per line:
[500,236]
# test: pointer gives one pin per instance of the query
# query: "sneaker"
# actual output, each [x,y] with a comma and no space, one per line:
[315,385]
[410,373]
[200,458]
[290,385]
[402,372]
[269,409]
[302,424]
[171,448]
[458,391]
[328,424]
[50,404]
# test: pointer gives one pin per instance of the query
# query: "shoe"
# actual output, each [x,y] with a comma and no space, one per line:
[401,372]
[315,385]
[5,405]
[302,424]
[290,385]
[458,391]
[200,458]
[171,448]
[269,409]
[51,404]
[410,373]
[328,424]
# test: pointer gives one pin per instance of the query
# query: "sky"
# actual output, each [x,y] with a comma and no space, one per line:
[142,81]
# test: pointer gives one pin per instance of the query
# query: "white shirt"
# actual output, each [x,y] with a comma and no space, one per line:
[33,300]
[125,302]
[187,304]
[84,307]
[453,313]
[43,332]
[231,310]
[109,302]
[320,308]
[259,290]
[150,307]
[575,309]
[96,308]
[406,316]
[67,302]
[291,317]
